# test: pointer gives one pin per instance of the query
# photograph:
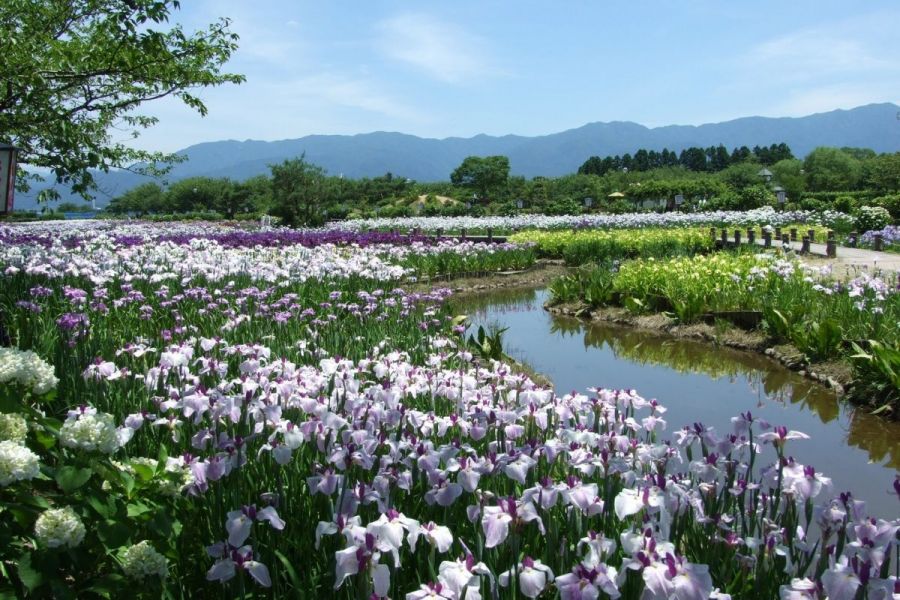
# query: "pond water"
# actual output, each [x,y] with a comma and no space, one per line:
[699,382]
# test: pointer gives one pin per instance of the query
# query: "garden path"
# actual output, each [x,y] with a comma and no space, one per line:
[852,258]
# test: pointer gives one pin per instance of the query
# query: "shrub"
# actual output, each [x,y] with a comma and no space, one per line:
[891,203]
[869,218]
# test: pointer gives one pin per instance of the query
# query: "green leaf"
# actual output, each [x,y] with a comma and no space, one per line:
[110,586]
[113,533]
[70,479]
[127,482]
[161,458]
[292,573]
[104,509]
[32,500]
[46,439]
[136,509]
[144,472]
[31,577]
[8,405]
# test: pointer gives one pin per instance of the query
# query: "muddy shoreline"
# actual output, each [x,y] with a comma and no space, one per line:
[834,374]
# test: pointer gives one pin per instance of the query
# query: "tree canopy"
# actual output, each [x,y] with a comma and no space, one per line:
[831,169]
[485,175]
[74,70]
[712,159]
[300,192]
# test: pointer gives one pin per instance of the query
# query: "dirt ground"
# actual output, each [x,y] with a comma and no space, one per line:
[540,275]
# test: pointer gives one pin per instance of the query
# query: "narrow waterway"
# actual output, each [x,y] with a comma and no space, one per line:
[699,382]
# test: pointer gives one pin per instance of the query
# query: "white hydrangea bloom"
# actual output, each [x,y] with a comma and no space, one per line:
[17,463]
[26,369]
[142,560]
[92,431]
[59,527]
[13,427]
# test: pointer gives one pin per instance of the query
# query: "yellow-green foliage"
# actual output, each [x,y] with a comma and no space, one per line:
[713,282]
[595,245]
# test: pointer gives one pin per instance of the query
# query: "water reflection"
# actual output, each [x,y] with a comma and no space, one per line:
[697,381]
[688,356]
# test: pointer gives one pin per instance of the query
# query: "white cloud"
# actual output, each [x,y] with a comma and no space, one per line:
[837,64]
[819,52]
[272,109]
[441,50]
[824,98]
[349,92]
[859,47]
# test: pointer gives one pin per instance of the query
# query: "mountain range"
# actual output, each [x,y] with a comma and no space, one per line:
[875,126]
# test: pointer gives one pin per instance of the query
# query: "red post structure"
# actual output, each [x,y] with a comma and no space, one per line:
[8,155]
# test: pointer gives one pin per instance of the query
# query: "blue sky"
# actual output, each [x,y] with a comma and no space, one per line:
[463,67]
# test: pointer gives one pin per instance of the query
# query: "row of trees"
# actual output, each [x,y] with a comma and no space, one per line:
[301,193]
[712,159]
[297,191]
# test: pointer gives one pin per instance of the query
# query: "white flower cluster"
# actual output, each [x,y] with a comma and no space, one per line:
[86,429]
[142,560]
[763,215]
[17,463]
[27,369]
[13,428]
[59,527]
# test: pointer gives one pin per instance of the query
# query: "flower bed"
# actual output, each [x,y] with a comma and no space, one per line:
[822,317]
[198,420]
[759,216]
[585,246]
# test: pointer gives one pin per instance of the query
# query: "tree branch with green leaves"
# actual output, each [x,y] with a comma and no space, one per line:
[73,71]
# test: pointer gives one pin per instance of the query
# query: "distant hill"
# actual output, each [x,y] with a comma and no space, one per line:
[873,126]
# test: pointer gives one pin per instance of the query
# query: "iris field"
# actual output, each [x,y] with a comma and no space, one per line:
[198,411]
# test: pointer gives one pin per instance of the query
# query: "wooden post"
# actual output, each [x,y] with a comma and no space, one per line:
[463,232]
[490,233]
[786,239]
[812,235]
[854,239]
[393,231]
[724,237]
[831,234]
[440,232]
[831,248]
[878,246]
[778,233]
[737,237]
[712,234]
[805,248]
[767,239]
[751,235]
[793,234]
